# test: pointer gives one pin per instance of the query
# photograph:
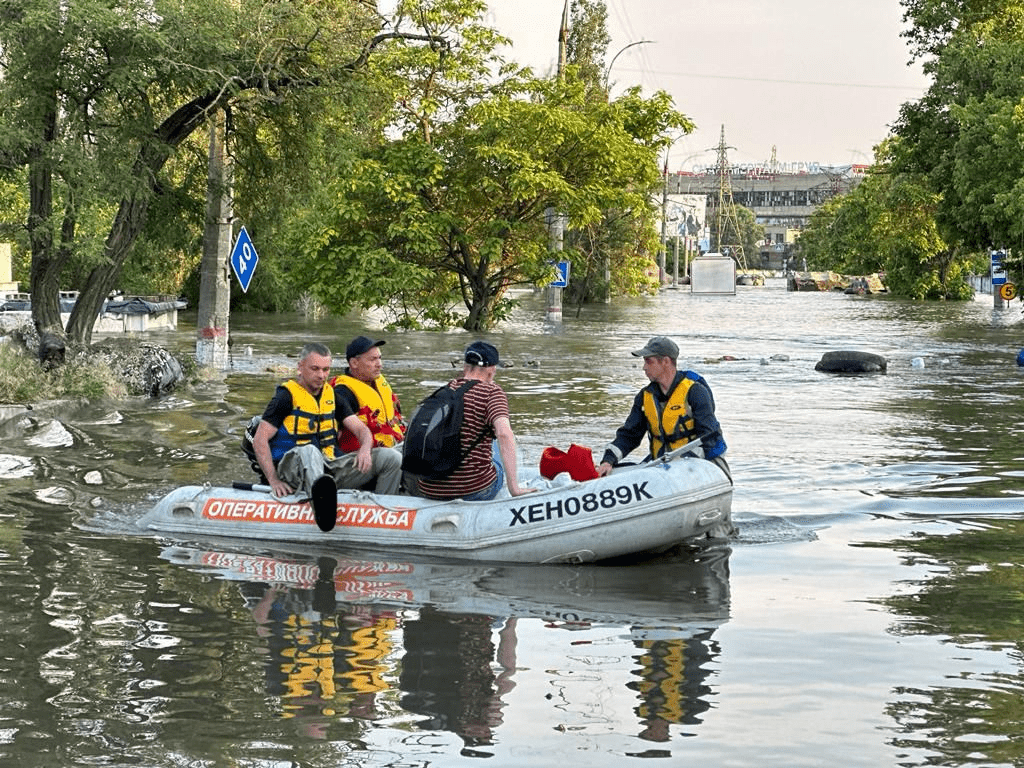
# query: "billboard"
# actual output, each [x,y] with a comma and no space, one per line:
[685,215]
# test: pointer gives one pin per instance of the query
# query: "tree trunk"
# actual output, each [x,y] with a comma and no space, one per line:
[131,215]
[44,274]
[480,305]
[128,223]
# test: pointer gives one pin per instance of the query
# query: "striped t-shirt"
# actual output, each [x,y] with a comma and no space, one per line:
[484,402]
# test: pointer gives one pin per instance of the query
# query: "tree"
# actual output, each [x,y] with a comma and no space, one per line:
[612,255]
[839,236]
[97,98]
[622,245]
[963,139]
[455,214]
[887,224]
[586,46]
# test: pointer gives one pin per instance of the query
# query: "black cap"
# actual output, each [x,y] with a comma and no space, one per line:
[360,344]
[481,353]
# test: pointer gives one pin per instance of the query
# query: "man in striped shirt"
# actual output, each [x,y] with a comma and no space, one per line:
[481,474]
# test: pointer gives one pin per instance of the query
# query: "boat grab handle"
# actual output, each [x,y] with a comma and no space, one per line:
[446,522]
[709,517]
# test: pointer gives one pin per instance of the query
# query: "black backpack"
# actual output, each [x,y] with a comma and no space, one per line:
[432,444]
[250,453]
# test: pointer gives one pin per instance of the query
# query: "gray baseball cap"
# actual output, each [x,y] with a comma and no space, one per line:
[659,346]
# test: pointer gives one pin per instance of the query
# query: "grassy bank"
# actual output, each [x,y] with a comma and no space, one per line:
[22,380]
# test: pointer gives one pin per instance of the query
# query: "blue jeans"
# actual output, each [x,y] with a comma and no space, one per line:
[485,494]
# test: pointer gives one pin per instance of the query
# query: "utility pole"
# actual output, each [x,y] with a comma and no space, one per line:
[664,222]
[212,325]
[556,221]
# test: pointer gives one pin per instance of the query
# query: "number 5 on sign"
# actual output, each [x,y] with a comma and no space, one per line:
[244,259]
[1008,291]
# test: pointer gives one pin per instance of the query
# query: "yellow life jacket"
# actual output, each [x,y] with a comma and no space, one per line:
[663,682]
[670,423]
[311,421]
[378,410]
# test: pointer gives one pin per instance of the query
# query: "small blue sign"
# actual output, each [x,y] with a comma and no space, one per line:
[998,270]
[562,281]
[244,259]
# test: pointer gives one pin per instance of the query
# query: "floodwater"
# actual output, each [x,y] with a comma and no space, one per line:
[869,613]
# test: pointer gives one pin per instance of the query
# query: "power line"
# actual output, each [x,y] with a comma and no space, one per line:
[706,76]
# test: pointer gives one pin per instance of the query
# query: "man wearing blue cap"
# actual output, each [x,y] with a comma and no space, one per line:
[677,407]
[481,474]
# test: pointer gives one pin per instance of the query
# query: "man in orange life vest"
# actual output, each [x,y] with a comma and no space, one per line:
[370,419]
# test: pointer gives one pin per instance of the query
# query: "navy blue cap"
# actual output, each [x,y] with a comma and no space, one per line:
[359,345]
[481,353]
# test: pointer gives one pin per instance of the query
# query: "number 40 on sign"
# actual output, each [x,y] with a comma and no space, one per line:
[244,259]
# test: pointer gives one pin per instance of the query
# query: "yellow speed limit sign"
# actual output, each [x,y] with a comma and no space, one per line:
[1008,291]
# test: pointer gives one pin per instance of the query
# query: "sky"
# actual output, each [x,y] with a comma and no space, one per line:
[815,81]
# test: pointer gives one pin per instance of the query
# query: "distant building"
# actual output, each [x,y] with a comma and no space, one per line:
[782,197]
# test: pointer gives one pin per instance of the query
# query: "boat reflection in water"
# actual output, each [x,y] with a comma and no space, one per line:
[363,639]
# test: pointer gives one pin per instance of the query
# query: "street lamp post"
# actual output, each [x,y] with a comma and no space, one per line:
[608,70]
[607,75]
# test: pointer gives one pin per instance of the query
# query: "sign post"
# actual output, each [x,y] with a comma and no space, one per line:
[244,259]
[998,278]
[556,233]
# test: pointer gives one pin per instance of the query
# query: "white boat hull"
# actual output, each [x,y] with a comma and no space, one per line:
[636,509]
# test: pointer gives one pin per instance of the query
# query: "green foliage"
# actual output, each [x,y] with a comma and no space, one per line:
[13,212]
[404,165]
[436,225]
[612,257]
[98,106]
[887,224]
[587,45]
[963,139]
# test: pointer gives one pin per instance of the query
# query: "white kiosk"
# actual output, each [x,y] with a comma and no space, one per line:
[713,273]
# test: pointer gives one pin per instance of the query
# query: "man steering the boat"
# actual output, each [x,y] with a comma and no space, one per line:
[364,398]
[294,442]
[676,408]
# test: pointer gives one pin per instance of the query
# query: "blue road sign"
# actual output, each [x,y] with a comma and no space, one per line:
[998,270]
[243,259]
[562,281]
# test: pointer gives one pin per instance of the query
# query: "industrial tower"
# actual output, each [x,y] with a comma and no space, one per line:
[727,230]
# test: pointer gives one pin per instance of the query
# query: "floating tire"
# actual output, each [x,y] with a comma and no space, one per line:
[851,362]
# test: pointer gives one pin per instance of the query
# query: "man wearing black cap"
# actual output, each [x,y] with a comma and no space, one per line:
[370,419]
[485,414]
[674,409]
